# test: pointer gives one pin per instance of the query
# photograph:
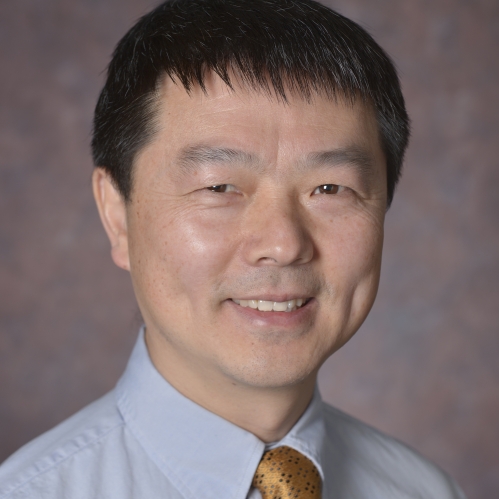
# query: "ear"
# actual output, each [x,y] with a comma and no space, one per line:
[112,211]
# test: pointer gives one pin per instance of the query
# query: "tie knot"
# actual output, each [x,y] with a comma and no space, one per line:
[285,473]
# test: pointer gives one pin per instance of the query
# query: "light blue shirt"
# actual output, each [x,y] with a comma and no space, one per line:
[144,440]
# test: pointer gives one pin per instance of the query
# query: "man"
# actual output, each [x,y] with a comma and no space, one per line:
[246,153]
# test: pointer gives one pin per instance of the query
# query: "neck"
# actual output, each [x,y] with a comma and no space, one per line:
[267,412]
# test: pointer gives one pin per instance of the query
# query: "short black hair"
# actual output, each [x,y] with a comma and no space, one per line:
[300,45]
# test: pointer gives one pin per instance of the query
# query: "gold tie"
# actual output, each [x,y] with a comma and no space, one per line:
[286,473]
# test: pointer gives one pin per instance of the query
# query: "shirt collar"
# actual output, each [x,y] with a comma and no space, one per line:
[308,435]
[202,454]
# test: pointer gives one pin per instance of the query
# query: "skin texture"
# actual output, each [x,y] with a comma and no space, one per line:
[269,231]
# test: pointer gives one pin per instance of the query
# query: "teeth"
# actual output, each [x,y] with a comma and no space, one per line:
[280,306]
[272,306]
[265,306]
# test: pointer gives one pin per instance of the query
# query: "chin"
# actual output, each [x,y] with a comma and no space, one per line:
[272,371]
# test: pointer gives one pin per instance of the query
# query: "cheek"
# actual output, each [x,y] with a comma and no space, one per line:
[187,252]
[352,257]
[353,249]
[362,251]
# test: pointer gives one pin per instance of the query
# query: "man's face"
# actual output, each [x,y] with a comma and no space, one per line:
[241,201]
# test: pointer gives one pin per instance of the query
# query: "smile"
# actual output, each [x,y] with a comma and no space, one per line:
[273,306]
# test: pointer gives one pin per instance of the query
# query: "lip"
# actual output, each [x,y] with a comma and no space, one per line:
[283,320]
[277,298]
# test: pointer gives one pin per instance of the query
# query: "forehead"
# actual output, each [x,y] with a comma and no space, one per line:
[222,102]
[260,123]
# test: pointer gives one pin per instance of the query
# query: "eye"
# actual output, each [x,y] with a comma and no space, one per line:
[222,188]
[328,189]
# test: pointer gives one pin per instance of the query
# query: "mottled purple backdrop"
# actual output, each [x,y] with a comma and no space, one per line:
[424,367]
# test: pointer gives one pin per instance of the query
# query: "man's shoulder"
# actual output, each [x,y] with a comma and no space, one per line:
[82,431]
[368,458]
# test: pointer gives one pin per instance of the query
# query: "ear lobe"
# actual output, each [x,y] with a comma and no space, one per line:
[112,211]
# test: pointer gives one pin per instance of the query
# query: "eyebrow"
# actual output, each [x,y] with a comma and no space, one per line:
[193,157]
[356,157]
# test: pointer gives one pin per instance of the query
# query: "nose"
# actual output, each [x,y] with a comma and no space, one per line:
[277,233]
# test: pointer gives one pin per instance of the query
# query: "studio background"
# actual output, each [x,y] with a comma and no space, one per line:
[425,365]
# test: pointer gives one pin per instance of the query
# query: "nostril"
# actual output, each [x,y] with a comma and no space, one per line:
[268,258]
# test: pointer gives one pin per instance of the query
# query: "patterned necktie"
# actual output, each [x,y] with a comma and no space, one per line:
[286,473]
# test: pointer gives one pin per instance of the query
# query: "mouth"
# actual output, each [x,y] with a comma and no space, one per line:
[273,306]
